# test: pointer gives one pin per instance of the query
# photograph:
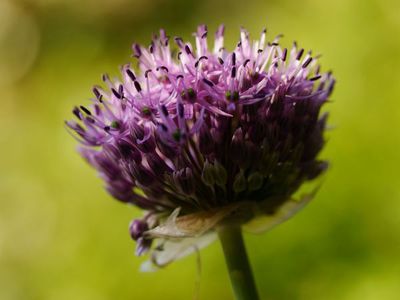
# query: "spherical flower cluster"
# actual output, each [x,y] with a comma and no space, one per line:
[206,137]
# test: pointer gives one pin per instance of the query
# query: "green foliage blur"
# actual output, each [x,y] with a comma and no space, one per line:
[62,237]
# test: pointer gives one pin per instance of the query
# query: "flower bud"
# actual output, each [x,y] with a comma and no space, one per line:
[240,182]
[255,181]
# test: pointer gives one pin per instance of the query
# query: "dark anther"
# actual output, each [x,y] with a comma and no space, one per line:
[198,61]
[180,110]
[221,61]
[76,112]
[163,127]
[204,35]
[131,75]
[138,87]
[315,78]
[284,54]
[138,51]
[178,39]
[179,76]
[86,110]
[300,54]
[166,41]
[307,62]
[116,94]
[208,82]
[97,109]
[96,92]
[107,128]
[164,110]
[187,49]
[233,72]
[162,68]
[246,62]
[275,44]
[105,77]
[233,59]
[121,90]
[146,74]
[260,50]
[90,120]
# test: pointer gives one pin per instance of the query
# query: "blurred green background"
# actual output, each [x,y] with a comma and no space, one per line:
[62,237]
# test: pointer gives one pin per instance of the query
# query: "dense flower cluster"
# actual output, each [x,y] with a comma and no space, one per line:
[206,136]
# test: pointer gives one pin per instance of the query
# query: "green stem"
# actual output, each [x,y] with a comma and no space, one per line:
[239,269]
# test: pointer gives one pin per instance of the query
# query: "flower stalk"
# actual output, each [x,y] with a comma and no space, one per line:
[237,262]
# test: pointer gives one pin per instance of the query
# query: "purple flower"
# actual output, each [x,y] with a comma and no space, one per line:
[207,136]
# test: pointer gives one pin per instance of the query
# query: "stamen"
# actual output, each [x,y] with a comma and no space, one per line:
[105,77]
[116,94]
[96,92]
[136,50]
[76,112]
[130,74]
[233,72]
[86,110]
[164,110]
[208,82]
[162,68]
[307,62]
[180,110]
[299,54]
[284,54]
[163,127]
[138,87]
[315,78]
[200,59]
[187,49]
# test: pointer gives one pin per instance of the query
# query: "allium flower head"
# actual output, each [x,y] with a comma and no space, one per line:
[206,137]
